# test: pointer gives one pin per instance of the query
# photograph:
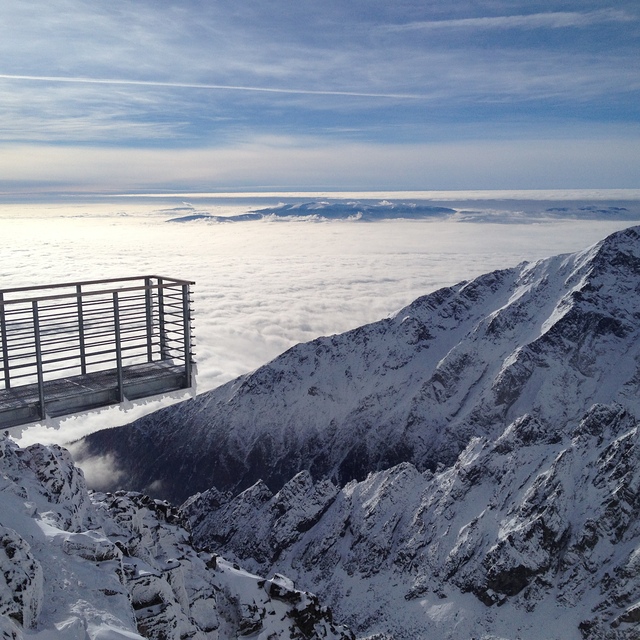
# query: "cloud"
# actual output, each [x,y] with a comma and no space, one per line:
[262,287]
[547,20]
[205,86]
[395,95]
[603,160]
[194,74]
[100,472]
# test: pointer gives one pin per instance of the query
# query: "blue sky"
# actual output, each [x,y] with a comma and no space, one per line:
[412,94]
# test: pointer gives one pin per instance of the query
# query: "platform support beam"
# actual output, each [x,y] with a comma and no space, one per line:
[39,366]
[118,340]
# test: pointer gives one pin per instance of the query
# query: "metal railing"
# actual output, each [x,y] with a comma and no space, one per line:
[76,329]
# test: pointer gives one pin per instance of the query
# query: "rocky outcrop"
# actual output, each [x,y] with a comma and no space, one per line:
[21,592]
[536,525]
[75,564]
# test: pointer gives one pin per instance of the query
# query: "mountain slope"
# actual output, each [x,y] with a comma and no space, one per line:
[547,339]
[532,535]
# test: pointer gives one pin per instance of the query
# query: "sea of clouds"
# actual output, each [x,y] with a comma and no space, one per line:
[265,285]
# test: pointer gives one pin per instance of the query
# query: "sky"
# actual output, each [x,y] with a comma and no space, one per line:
[156,95]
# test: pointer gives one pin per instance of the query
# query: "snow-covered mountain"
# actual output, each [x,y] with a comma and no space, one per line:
[547,339]
[534,535]
[331,210]
[469,468]
[76,565]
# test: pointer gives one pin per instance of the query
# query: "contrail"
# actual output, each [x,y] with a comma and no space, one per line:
[223,87]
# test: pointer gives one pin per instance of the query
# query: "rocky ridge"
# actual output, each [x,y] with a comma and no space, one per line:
[465,469]
[548,339]
[535,534]
[76,565]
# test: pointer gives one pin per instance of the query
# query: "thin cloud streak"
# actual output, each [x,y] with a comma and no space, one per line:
[551,20]
[189,85]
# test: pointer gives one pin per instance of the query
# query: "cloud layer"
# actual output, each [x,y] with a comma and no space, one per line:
[263,286]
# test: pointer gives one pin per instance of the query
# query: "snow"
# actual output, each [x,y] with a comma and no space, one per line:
[81,566]
[533,527]
[439,555]
[462,362]
[526,524]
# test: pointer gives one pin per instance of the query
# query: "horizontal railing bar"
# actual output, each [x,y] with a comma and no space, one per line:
[94,354]
[25,343]
[60,326]
[83,294]
[54,360]
[74,284]
[139,357]
[174,281]
[108,299]
[24,375]
[133,333]
[75,352]
[23,360]
[93,339]
[99,319]
[65,345]
[77,359]
[19,330]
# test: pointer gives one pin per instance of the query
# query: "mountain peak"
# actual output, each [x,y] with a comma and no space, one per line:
[546,339]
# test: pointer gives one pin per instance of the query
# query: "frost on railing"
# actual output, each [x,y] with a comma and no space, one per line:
[77,346]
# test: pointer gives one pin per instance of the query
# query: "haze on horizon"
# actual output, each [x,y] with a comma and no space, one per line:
[206,96]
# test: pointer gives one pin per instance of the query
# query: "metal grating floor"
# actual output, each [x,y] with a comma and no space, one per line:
[21,405]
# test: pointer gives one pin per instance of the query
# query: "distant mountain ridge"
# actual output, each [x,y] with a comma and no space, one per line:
[376,211]
[330,210]
[546,339]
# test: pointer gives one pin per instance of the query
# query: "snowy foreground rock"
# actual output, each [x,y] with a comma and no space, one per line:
[76,565]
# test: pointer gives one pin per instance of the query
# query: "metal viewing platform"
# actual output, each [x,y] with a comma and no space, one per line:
[68,348]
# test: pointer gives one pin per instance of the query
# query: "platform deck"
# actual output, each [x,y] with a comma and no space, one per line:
[74,394]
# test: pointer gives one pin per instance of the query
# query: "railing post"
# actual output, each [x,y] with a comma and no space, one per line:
[39,368]
[5,345]
[163,337]
[116,325]
[186,323]
[148,303]
[83,354]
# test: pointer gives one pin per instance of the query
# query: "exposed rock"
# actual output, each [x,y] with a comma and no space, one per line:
[532,523]
[95,566]
[21,580]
